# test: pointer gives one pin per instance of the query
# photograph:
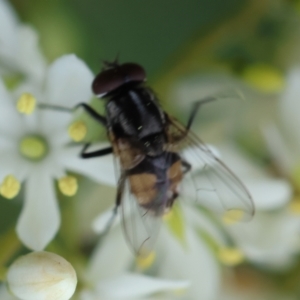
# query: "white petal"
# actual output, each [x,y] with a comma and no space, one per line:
[10,120]
[54,124]
[87,295]
[239,163]
[100,223]
[269,194]
[290,105]
[68,82]
[39,219]
[278,147]
[30,58]
[12,163]
[104,262]
[133,286]
[100,169]
[8,32]
[53,166]
[195,264]
[270,239]
[200,220]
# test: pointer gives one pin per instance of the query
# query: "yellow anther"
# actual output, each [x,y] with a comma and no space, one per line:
[231,256]
[233,216]
[294,206]
[264,78]
[26,104]
[145,261]
[10,187]
[180,292]
[33,147]
[68,185]
[77,131]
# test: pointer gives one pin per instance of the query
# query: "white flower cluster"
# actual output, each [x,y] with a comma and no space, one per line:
[37,151]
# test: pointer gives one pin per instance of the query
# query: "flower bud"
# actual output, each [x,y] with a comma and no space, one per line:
[42,276]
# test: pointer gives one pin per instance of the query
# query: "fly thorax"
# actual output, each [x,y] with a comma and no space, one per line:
[153,144]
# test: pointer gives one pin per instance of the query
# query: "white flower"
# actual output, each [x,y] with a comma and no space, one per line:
[19,49]
[35,149]
[108,275]
[42,276]
[171,259]
[196,263]
[283,138]
[270,238]
[131,286]
[288,107]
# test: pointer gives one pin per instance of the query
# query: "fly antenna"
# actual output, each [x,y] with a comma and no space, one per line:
[111,64]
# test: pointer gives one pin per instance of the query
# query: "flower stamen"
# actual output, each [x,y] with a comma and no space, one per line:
[180,292]
[10,187]
[294,206]
[145,261]
[77,131]
[230,256]
[265,78]
[233,216]
[26,104]
[68,185]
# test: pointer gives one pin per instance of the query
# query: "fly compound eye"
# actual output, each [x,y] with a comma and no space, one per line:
[107,81]
[134,72]
[117,76]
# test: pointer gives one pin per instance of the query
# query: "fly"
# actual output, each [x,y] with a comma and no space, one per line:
[148,145]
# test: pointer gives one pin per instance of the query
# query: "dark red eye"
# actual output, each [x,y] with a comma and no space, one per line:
[113,78]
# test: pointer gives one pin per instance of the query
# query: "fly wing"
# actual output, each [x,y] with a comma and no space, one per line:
[142,212]
[215,185]
[128,154]
[143,198]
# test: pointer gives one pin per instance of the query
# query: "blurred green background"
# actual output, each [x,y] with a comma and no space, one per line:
[171,39]
[149,32]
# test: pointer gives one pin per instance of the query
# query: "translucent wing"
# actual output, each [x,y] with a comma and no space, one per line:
[214,184]
[142,193]
[141,222]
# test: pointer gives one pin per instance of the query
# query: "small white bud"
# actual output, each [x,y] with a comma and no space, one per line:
[42,276]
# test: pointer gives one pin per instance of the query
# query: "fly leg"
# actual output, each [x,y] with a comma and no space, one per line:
[88,109]
[117,204]
[179,137]
[195,109]
[97,153]
[187,166]
[95,115]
